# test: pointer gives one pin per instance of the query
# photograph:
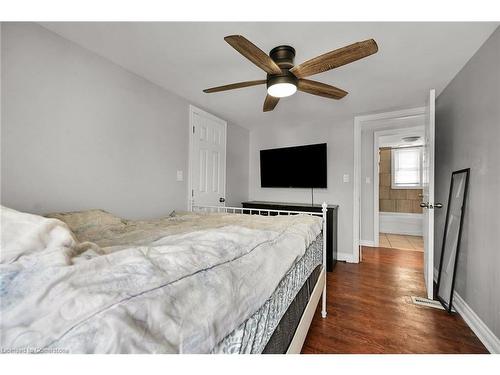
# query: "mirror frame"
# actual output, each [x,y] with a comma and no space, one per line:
[448,306]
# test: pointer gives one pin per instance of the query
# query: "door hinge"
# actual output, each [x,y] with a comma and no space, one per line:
[192,193]
[193,129]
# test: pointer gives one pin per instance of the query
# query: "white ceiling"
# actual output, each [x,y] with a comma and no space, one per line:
[397,138]
[187,57]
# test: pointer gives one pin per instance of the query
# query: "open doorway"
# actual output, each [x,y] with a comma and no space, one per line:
[393,126]
[398,179]
[366,221]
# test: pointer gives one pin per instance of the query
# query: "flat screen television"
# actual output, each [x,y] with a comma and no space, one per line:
[294,167]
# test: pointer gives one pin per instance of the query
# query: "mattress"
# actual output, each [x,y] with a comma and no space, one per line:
[254,335]
[285,331]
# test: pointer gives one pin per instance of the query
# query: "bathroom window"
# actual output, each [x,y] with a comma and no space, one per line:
[406,168]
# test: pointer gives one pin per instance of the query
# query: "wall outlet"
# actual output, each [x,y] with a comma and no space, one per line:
[180,176]
[346,178]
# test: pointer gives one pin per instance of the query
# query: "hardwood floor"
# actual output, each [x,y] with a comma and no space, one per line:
[369,311]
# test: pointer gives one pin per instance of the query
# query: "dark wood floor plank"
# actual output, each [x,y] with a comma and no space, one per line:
[370,311]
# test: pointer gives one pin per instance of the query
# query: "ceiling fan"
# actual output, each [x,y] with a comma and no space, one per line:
[284,78]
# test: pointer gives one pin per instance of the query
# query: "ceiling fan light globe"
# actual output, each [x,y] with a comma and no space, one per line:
[282,90]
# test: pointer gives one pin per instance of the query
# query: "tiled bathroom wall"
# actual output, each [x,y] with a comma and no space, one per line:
[395,200]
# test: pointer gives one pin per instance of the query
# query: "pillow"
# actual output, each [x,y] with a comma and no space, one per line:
[80,220]
[24,234]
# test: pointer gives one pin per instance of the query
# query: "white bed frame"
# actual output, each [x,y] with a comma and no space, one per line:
[320,287]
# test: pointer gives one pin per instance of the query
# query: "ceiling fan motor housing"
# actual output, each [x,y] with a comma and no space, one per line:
[283,56]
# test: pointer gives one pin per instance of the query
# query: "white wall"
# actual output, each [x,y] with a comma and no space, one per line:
[80,132]
[468,136]
[338,135]
[366,192]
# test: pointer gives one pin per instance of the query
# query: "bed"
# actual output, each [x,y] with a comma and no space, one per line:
[214,280]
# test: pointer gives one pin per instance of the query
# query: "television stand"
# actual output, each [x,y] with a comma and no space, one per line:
[331,222]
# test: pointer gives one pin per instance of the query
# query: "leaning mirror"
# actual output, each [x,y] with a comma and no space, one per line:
[452,236]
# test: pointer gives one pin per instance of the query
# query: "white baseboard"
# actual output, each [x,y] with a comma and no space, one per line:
[475,323]
[345,257]
[483,333]
[367,243]
[401,223]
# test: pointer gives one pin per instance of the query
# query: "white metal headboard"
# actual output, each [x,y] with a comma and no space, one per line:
[267,212]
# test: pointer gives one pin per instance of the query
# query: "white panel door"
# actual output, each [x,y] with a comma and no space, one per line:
[428,193]
[207,159]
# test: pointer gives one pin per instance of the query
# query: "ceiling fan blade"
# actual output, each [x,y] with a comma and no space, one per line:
[336,58]
[270,103]
[320,89]
[233,86]
[253,53]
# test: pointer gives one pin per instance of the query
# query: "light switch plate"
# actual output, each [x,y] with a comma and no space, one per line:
[368,180]
[180,176]
[346,178]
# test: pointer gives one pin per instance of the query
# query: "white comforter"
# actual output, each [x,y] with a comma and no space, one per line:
[180,293]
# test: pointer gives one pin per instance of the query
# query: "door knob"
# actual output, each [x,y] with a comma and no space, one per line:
[222,200]
[428,205]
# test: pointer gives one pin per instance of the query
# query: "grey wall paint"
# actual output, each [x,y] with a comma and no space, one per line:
[80,132]
[339,136]
[237,164]
[468,135]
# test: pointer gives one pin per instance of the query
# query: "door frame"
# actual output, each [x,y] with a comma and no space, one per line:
[376,209]
[428,219]
[359,123]
[192,111]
